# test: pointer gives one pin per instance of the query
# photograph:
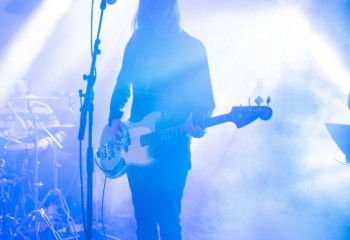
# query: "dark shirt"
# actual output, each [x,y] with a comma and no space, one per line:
[169,75]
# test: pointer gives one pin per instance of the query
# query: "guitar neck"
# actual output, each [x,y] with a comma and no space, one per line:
[213,121]
[168,133]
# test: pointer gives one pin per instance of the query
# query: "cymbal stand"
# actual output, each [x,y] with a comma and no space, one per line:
[65,208]
[56,191]
[33,215]
[24,229]
[37,213]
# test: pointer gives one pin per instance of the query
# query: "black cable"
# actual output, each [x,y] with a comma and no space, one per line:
[103,200]
[82,188]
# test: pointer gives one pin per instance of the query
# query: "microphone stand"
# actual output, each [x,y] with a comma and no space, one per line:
[89,107]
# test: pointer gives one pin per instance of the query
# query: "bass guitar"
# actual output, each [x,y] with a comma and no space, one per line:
[114,159]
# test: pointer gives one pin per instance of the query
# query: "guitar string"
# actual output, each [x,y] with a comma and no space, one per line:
[138,138]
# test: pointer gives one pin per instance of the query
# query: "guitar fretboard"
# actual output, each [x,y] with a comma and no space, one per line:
[166,134]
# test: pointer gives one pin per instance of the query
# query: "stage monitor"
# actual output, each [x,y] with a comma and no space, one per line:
[341,136]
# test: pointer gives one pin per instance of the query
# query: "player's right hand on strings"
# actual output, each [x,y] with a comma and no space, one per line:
[119,132]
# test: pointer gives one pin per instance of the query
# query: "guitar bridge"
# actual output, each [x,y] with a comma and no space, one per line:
[108,150]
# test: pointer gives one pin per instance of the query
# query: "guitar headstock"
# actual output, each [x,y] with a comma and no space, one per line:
[244,115]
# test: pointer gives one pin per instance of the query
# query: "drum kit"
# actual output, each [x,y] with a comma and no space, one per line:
[28,128]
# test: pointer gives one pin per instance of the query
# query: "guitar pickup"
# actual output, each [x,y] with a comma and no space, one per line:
[126,148]
[128,142]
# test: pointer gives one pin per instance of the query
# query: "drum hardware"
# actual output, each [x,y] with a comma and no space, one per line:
[7,223]
[17,145]
[6,189]
[58,212]
[9,139]
[33,222]
[37,218]
[8,226]
[37,222]
[57,208]
[2,167]
[15,135]
[60,126]
[11,166]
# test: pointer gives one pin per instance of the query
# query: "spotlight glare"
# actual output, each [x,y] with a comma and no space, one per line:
[29,41]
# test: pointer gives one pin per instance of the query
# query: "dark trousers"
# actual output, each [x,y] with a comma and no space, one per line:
[156,194]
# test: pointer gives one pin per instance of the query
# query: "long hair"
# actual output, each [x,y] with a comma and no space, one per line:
[166,11]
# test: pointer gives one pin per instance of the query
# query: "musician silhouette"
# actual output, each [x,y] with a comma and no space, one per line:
[168,71]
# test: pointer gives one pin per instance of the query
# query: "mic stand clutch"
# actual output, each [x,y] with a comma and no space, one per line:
[89,107]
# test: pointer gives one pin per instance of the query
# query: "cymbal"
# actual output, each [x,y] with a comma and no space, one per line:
[5,181]
[34,97]
[9,139]
[57,126]
[16,144]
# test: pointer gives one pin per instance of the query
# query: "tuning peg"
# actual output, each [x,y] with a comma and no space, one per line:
[259,101]
[268,100]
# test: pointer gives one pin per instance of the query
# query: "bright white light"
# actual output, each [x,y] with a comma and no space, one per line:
[328,63]
[285,165]
[29,41]
[250,52]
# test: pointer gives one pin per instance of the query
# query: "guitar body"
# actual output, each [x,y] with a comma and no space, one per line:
[114,160]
